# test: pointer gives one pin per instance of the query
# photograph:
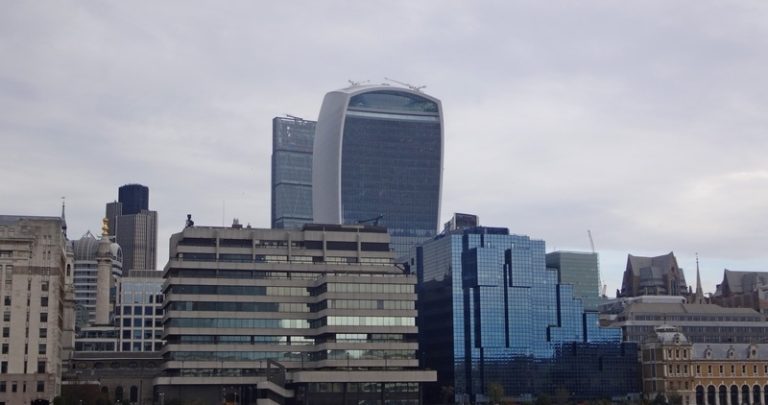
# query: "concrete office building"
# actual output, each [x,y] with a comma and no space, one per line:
[292,140]
[579,269]
[319,315]
[378,158]
[134,227]
[490,312]
[701,323]
[37,305]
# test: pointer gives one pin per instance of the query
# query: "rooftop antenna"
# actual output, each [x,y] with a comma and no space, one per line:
[63,216]
[408,85]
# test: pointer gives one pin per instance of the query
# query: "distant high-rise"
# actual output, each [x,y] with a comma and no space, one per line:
[292,140]
[378,159]
[579,269]
[135,231]
[134,198]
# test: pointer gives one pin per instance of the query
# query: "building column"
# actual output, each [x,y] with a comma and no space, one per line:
[717,395]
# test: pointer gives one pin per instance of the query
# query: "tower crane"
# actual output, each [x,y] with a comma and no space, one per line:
[602,287]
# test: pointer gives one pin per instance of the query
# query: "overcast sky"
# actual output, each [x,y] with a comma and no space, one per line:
[645,122]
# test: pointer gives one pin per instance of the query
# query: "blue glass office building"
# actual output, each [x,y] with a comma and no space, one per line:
[490,312]
[378,155]
[292,140]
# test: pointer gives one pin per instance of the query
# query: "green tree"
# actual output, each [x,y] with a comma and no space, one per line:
[543,399]
[495,392]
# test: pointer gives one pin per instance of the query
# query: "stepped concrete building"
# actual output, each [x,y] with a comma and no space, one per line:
[701,323]
[378,158]
[37,305]
[319,315]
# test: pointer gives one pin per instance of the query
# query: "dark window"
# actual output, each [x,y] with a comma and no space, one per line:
[313,244]
[334,245]
[40,386]
[43,301]
[41,367]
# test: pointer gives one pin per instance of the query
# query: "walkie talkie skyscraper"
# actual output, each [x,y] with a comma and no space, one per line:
[378,157]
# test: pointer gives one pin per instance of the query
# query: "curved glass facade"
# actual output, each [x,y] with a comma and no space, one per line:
[391,159]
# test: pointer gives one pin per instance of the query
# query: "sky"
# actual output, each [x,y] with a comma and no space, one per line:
[642,121]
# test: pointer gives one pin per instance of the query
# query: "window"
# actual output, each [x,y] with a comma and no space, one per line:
[43,301]
[41,367]
[7,316]
[6,332]
[40,386]
[43,332]
[3,367]
[44,317]
[7,300]
[2,386]
[5,348]
[41,348]
[44,286]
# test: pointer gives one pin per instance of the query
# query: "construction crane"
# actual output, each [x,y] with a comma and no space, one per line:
[601,287]
[408,85]
[374,220]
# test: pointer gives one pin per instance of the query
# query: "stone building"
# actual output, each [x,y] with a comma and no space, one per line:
[704,373]
[658,275]
[37,303]
[743,289]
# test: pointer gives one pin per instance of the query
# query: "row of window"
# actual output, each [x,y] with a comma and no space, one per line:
[363,321]
[42,333]
[14,386]
[374,354]
[40,367]
[238,306]
[238,290]
[307,244]
[237,323]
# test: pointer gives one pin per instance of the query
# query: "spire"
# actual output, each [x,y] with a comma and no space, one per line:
[64,216]
[699,292]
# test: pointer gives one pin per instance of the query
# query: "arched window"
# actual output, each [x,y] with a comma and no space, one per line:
[119,393]
[134,393]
